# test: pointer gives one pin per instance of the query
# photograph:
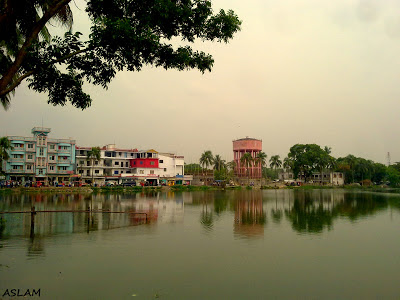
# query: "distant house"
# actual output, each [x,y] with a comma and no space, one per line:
[335,178]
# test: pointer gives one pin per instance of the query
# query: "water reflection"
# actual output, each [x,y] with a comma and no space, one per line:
[310,212]
[250,216]
[107,211]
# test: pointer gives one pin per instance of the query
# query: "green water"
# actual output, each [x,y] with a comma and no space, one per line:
[321,244]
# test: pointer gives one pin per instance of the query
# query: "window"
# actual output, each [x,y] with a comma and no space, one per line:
[165,169]
[152,163]
[116,163]
[115,172]
[134,163]
[141,163]
[40,171]
[141,171]
[17,167]
[30,146]
[96,162]
[126,164]
[80,171]
[88,163]
[41,152]
[151,172]
[52,157]
[62,168]
[51,168]
[161,161]
[52,147]
[96,171]
[30,156]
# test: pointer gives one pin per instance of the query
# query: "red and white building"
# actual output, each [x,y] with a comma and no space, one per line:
[119,165]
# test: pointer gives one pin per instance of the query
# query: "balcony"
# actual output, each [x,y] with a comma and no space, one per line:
[12,159]
[30,149]
[63,161]
[64,151]
[49,150]
[16,148]
[16,171]
[63,172]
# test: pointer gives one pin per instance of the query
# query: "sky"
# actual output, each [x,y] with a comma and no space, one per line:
[309,71]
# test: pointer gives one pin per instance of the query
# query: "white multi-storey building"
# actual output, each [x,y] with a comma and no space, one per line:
[146,167]
[172,169]
[113,164]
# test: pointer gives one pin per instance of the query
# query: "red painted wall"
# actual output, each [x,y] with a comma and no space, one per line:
[144,163]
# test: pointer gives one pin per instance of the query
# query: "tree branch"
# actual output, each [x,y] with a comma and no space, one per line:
[19,58]
[29,73]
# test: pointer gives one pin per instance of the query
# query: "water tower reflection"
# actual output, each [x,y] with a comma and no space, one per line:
[250,217]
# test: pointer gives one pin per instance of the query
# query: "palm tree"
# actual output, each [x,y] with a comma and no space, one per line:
[288,164]
[219,163]
[247,161]
[206,159]
[275,162]
[92,156]
[261,159]
[5,144]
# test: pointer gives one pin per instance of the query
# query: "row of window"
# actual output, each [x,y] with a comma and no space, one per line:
[30,167]
[30,146]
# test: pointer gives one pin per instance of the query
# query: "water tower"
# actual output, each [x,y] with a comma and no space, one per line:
[247,145]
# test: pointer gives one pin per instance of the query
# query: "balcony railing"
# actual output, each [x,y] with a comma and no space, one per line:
[64,161]
[21,138]
[64,150]
[30,149]
[16,171]
[64,172]
[54,150]
[13,159]
[17,148]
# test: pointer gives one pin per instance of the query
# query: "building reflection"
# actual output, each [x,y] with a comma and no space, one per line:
[250,216]
[137,209]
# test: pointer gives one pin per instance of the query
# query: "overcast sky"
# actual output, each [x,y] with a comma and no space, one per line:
[310,71]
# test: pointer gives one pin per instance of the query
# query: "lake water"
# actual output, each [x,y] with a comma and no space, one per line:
[284,244]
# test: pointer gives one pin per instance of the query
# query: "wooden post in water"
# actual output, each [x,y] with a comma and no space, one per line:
[88,218]
[33,213]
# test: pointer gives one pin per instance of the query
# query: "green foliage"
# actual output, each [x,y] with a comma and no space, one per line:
[192,168]
[304,159]
[393,176]
[206,159]
[125,35]
[219,163]
[275,162]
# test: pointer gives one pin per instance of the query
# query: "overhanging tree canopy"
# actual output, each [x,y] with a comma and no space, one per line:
[125,34]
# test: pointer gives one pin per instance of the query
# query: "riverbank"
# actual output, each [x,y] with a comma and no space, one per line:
[181,188]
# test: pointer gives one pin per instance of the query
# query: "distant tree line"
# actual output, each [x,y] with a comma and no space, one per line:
[302,160]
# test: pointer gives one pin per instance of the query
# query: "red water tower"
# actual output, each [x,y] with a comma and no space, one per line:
[247,145]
